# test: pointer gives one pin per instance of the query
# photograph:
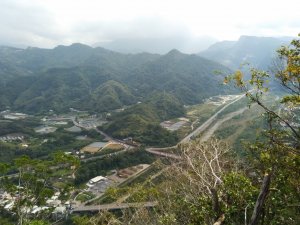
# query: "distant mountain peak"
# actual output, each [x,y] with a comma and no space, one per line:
[74,46]
[258,51]
[246,38]
[174,52]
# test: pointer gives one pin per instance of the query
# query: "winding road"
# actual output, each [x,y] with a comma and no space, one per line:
[208,133]
[208,122]
[157,151]
[200,129]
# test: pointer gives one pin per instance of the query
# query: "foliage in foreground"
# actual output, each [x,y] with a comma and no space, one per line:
[31,186]
[210,186]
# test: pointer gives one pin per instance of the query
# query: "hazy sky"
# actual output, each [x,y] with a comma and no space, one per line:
[46,23]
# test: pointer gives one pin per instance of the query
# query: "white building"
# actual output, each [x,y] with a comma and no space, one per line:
[96,180]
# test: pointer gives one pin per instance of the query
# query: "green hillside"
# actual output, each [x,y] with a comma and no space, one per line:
[84,88]
[189,78]
[141,122]
[98,80]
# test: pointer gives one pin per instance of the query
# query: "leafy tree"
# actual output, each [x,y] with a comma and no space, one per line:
[31,186]
[210,186]
[277,158]
[103,218]
[209,189]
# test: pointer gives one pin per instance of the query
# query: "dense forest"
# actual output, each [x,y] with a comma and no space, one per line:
[36,80]
[141,122]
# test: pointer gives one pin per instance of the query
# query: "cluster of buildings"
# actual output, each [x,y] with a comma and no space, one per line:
[95,180]
[12,137]
[13,116]
[98,185]
[54,204]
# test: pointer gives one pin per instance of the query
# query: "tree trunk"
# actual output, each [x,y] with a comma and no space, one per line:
[261,200]
[215,201]
[220,220]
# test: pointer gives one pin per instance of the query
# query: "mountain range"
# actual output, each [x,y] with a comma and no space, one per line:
[36,80]
[158,45]
[259,52]
[153,87]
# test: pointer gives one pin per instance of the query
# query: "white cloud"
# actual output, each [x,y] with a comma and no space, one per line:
[46,23]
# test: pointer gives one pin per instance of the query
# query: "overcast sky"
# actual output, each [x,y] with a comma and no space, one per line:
[47,23]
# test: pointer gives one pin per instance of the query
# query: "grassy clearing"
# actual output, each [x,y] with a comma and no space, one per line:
[201,111]
[59,185]
[85,196]
[114,146]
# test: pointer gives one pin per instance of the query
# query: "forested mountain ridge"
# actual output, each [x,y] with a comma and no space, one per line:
[188,77]
[36,59]
[95,79]
[258,51]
